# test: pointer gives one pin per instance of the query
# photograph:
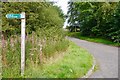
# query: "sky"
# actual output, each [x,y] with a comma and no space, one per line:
[63,5]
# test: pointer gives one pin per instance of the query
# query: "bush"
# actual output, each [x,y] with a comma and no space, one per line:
[96,19]
[43,35]
[34,56]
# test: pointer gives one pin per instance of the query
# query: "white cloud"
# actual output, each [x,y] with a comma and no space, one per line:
[62,4]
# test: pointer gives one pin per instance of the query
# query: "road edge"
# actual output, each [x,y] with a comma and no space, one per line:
[90,70]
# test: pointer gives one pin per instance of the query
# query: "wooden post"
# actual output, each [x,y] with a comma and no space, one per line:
[22,43]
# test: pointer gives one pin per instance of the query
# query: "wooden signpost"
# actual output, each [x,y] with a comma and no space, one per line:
[22,17]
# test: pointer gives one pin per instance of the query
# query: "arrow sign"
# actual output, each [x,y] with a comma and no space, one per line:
[18,16]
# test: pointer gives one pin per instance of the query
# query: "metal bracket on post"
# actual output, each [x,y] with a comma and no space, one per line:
[22,43]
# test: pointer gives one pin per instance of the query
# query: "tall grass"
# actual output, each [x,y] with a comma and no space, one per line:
[0,68]
[37,51]
[93,39]
[74,63]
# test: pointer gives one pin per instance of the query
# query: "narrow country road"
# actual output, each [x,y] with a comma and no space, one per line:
[106,57]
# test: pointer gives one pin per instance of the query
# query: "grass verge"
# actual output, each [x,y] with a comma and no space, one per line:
[92,39]
[96,68]
[37,50]
[74,63]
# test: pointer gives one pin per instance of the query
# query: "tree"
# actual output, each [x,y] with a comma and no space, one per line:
[38,16]
[97,19]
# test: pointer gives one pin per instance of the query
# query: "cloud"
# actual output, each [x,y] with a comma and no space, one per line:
[62,4]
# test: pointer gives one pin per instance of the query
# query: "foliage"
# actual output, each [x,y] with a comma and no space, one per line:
[38,15]
[35,54]
[60,65]
[74,63]
[44,35]
[92,39]
[97,19]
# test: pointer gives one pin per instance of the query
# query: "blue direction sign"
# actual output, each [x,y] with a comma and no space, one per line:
[18,16]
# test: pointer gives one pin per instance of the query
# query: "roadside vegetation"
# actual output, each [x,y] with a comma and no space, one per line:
[44,35]
[48,53]
[97,21]
[73,63]
[34,55]
[92,39]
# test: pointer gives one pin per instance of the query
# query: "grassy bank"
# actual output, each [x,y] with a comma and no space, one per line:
[37,52]
[92,39]
[73,63]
